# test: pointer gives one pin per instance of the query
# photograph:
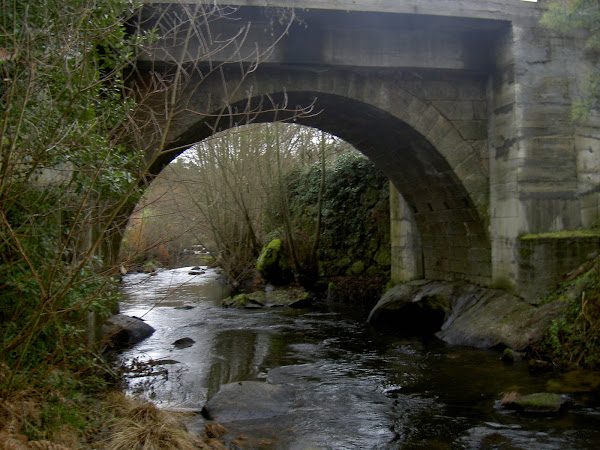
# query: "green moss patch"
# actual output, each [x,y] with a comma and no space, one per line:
[566,234]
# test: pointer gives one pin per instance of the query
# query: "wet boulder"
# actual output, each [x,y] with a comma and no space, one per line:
[416,308]
[464,314]
[538,403]
[123,331]
[292,297]
[184,343]
[248,301]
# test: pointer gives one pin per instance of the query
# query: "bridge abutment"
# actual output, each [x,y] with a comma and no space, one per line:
[540,180]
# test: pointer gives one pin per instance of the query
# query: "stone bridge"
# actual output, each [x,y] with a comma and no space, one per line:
[464,105]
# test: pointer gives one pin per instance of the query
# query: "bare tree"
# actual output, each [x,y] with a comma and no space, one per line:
[77,141]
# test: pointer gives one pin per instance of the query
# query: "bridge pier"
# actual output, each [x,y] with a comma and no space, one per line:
[405,240]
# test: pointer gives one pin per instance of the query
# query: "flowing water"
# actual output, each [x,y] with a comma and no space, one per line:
[353,387]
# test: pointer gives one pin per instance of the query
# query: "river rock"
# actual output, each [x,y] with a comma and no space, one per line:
[247,400]
[464,314]
[538,403]
[124,331]
[415,308]
[184,343]
[292,297]
[196,272]
[247,301]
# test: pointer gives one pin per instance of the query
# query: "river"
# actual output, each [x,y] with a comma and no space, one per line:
[354,387]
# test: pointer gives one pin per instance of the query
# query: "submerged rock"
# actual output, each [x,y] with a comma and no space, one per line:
[575,381]
[247,400]
[124,331]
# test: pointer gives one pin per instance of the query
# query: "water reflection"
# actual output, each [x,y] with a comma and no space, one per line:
[352,387]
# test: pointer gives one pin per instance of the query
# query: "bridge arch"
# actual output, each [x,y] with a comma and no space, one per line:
[441,177]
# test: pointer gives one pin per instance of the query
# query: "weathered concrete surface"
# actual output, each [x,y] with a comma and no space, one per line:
[465,106]
[464,314]
[492,9]
[543,257]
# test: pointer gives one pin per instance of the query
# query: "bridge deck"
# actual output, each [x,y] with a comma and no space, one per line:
[483,9]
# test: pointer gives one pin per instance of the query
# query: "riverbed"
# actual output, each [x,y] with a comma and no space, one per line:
[353,387]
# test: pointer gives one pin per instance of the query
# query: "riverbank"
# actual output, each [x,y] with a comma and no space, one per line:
[67,417]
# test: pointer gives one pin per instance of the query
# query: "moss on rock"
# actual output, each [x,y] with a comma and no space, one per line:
[271,263]
[538,403]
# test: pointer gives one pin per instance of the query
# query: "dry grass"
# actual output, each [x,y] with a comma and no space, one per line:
[139,425]
[509,398]
[50,418]
[115,421]
[16,411]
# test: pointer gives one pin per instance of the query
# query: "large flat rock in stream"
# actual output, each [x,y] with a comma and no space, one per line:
[463,314]
[247,400]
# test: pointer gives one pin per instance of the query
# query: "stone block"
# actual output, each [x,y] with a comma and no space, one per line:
[455,109]
[472,129]
[469,167]
[590,216]
[427,121]
[435,90]
[542,261]
[480,255]
[503,209]
[472,90]
[480,109]
[439,130]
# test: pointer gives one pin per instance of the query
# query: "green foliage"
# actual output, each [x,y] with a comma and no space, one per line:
[355,210]
[567,15]
[573,339]
[271,263]
[64,175]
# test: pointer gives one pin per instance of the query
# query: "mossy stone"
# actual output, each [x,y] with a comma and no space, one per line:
[357,268]
[541,402]
[344,261]
[238,301]
[383,257]
[271,264]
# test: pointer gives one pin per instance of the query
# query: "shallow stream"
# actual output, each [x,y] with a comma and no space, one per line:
[354,387]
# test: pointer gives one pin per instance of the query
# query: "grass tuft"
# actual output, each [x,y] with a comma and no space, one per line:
[140,425]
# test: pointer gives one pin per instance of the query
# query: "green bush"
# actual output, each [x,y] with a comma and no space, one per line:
[355,212]
[573,339]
